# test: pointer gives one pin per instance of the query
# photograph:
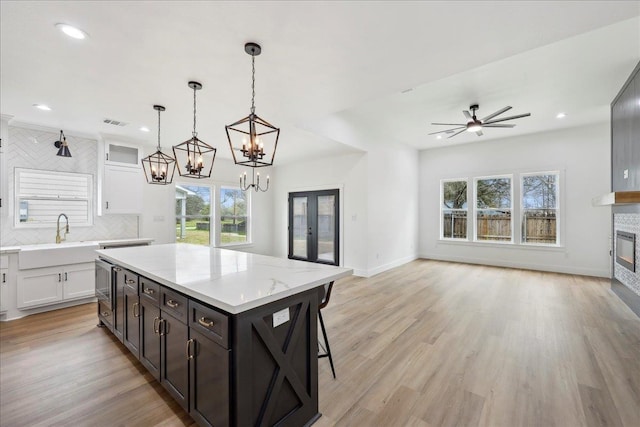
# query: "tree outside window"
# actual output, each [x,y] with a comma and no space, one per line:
[540,208]
[493,209]
[193,214]
[234,221]
[454,209]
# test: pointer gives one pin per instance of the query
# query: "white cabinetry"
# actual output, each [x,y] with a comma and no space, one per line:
[50,285]
[122,178]
[122,190]
[4,282]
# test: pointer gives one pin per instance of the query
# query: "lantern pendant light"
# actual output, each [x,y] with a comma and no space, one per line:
[253,140]
[159,167]
[62,146]
[194,157]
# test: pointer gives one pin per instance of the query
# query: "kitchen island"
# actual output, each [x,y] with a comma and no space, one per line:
[231,335]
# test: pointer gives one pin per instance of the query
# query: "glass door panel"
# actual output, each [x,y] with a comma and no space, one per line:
[326,228]
[313,226]
[300,227]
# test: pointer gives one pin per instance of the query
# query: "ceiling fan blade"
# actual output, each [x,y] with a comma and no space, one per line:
[458,133]
[447,131]
[507,118]
[498,125]
[467,115]
[479,133]
[497,113]
[449,124]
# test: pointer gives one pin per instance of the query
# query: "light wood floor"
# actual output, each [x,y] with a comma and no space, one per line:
[426,344]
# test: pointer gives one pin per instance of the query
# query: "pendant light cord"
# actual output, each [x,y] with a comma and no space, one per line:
[159,148]
[195,134]
[253,83]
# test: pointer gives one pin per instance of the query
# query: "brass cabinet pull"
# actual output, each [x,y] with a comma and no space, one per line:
[171,303]
[189,354]
[156,325]
[117,268]
[136,309]
[207,323]
[106,314]
[130,281]
[148,291]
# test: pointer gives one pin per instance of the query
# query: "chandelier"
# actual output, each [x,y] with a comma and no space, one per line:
[255,182]
[194,157]
[159,167]
[253,140]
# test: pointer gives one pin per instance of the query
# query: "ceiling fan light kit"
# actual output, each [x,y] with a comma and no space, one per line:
[477,125]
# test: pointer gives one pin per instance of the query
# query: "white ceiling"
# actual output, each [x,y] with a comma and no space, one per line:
[331,74]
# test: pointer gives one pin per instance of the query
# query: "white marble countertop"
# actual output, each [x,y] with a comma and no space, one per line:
[230,280]
[97,243]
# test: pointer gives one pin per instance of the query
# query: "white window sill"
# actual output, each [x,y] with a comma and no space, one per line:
[235,246]
[511,245]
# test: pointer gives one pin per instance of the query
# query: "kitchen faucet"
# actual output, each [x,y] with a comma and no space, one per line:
[58,238]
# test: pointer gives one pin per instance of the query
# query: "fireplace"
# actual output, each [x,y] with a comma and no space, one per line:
[626,249]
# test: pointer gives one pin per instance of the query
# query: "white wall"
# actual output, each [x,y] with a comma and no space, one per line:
[379,195]
[392,188]
[348,174]
[583,157]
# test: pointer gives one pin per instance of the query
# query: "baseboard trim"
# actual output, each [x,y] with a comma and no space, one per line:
[527,266]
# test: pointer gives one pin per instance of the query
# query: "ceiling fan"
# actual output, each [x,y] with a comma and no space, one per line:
[475,125]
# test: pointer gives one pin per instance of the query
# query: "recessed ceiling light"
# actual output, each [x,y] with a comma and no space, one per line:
[42,107]
[72,31]
[439,137]
[144,129]
[561,115]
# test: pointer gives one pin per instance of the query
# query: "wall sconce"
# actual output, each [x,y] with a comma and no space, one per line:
[62,146]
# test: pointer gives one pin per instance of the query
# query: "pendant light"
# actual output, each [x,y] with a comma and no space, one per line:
[194,157]
[63,147]
[255,182]
[159,167]
[252,140]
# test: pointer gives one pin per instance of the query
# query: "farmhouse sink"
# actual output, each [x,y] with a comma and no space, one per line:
[52,254]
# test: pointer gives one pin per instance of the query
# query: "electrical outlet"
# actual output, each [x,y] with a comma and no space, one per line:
[625,174]
[280,317]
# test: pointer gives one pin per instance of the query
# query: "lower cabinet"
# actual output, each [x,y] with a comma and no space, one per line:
[150,336]
[131,331]
[174,366]
[49,285]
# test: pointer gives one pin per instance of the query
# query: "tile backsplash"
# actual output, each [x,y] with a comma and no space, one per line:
[34,149]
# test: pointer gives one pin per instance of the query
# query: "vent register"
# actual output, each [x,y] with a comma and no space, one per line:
[115,122]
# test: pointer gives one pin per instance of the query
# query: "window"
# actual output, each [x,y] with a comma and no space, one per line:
[540,208]
[193,214]
[41,196]
[493,197]
[453,209]
[234,221]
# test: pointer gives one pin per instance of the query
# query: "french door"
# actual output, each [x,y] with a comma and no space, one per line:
[314,226]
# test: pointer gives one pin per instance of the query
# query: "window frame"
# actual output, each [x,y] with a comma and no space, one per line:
[218,241]
[442,210]
[212,209]
[476,209]
[18,196]
[557,208]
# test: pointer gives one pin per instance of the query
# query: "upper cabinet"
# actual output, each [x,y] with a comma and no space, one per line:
[121,154]
[122,178]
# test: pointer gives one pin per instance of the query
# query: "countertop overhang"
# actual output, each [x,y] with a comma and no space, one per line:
[617,198]
[229,280]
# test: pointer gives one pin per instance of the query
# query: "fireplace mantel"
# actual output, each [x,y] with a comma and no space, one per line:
[617,198]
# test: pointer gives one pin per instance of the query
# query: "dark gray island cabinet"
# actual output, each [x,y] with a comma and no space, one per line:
[235,345]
